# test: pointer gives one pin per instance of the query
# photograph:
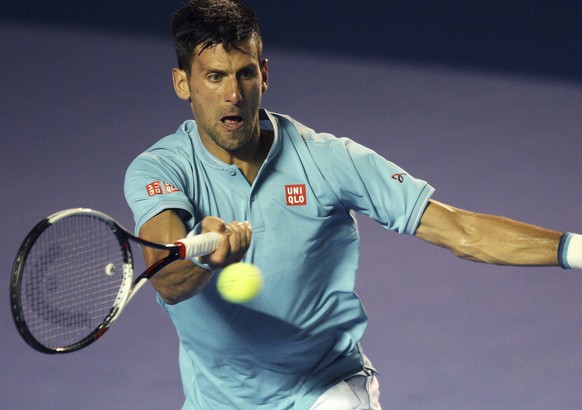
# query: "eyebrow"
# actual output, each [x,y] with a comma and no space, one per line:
[210,69]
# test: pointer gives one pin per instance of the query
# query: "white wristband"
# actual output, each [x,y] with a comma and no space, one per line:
[204,266]
[570,251]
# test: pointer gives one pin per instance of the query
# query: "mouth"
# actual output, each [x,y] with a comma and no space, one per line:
[232,122]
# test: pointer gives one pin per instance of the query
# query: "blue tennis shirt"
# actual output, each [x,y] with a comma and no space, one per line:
[301,334]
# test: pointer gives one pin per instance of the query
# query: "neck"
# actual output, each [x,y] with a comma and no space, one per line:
[248,159]
[250,164]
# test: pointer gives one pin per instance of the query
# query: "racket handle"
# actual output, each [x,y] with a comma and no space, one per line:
[198,245]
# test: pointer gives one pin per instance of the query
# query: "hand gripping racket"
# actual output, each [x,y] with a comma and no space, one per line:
[73,276]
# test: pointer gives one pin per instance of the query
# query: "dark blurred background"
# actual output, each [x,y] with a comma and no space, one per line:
[531,37]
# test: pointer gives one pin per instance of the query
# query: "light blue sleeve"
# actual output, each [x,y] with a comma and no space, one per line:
[369,184]
[158,180]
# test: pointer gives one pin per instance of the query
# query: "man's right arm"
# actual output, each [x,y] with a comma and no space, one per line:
[183,279]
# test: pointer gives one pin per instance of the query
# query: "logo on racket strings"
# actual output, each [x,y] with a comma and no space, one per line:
[45,296]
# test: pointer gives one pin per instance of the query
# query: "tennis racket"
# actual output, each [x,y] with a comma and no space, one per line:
[73,276]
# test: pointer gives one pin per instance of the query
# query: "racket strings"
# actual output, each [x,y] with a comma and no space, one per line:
[71,280]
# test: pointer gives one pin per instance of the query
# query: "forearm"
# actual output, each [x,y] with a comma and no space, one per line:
[488,238]
[179,280]
[183,279]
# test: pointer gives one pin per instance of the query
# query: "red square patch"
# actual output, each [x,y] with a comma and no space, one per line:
[154,188]
[295,195]
[170,188]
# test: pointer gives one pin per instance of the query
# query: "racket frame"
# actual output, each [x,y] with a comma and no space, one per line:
[127,289]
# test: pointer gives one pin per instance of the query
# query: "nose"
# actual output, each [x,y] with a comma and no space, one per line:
[233,93]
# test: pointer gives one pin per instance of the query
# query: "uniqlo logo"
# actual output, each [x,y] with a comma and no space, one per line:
[170,188]
[295,195]
[154,188]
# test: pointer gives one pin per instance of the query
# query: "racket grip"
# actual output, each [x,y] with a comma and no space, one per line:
[198,245]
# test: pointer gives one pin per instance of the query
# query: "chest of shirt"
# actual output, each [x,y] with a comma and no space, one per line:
[288,191]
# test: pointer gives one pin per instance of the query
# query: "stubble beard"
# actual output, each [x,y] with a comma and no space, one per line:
[232,141]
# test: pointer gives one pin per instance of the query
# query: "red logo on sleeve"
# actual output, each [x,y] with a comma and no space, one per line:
[295,195]
[170,188]
[154,188]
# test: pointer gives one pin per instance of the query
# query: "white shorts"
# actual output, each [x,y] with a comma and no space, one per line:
[360,392]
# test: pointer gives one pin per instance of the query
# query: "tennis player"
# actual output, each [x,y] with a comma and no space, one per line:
[237,166]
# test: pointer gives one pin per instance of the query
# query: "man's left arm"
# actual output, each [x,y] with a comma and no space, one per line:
[488,238]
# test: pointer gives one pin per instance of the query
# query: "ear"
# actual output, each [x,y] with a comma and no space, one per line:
[264,75]
[181,86]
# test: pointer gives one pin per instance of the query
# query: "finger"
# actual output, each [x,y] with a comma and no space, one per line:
[247,232]
[239,240]
[235,238]
[233,245]
[213,224]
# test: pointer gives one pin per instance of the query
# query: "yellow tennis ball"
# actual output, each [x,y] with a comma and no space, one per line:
[239,282]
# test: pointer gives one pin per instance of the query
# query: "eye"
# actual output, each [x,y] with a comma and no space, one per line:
[248,74]
[215,77]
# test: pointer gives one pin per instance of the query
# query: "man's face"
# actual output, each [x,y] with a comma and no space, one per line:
[225,90]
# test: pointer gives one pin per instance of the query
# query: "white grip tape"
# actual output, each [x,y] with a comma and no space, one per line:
[198,245]
[574,252]
[570,251]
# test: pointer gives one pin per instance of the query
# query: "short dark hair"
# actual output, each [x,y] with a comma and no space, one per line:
[210,23]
